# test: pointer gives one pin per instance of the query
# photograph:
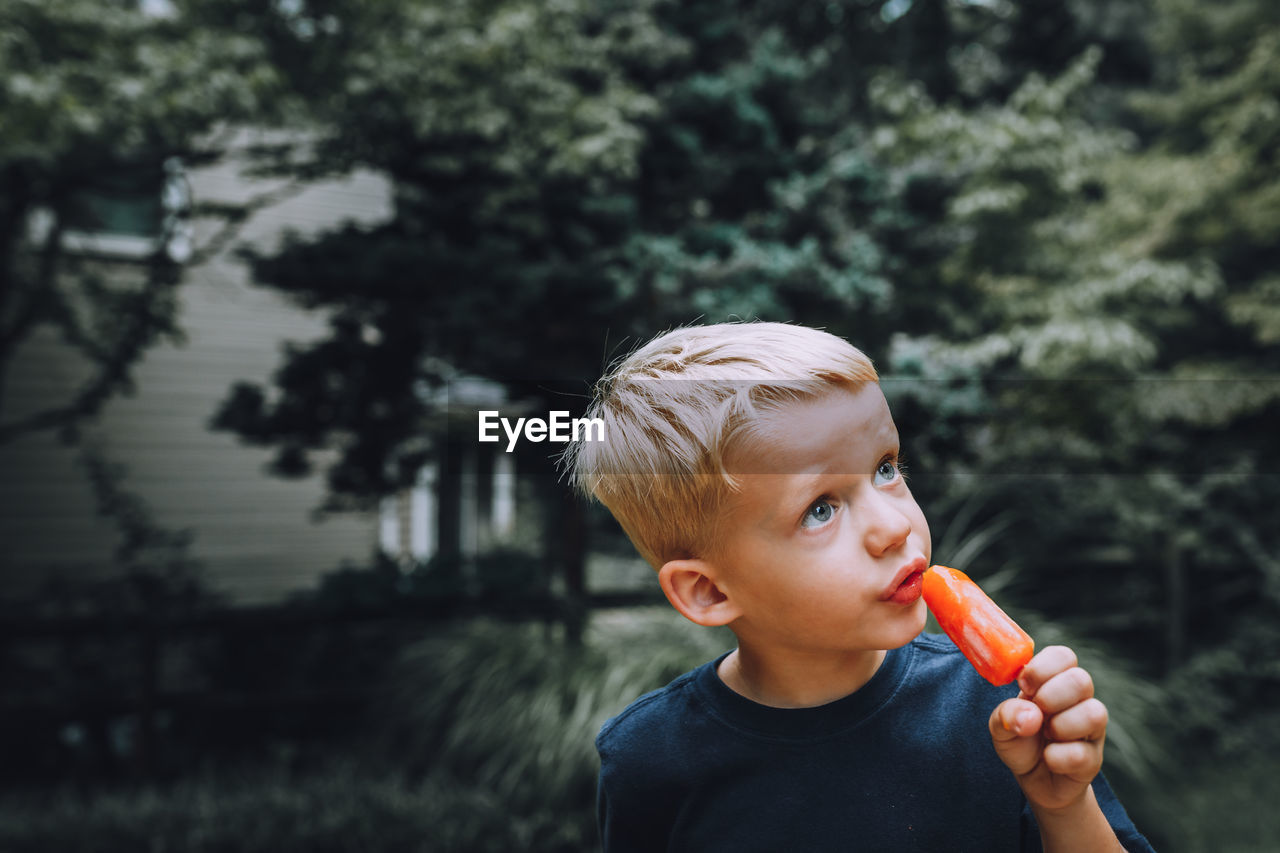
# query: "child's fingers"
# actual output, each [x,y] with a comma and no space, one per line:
[1050,661]
[1078,759]
[1014,718]
[1064,690]
[1085,721]
[1015,734]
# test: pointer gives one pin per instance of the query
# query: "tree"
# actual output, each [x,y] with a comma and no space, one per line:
[570,179]
[95,95]
[508,141]
[1098,338]
[602,173]
[1210,190]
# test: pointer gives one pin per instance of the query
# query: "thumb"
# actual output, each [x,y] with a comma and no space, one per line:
[1015,733]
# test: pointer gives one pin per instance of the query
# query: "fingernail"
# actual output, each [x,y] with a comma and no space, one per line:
[1023,720]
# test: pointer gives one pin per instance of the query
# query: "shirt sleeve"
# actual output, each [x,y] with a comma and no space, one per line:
[1128,835]
[1031,842]
[607,844]
[628,821]
[1132,840]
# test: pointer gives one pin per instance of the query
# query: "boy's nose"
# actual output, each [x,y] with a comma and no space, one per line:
[887,525]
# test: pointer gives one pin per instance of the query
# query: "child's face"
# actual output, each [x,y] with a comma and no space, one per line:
[823,548]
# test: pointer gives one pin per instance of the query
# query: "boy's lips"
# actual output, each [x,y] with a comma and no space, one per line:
[906,583]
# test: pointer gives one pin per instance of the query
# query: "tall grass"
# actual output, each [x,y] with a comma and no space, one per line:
[345,806]
[482,740]
[514,710]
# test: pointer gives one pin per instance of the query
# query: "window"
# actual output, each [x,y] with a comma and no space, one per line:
[133,213]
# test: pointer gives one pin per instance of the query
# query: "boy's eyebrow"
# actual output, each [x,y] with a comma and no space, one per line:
[797,496]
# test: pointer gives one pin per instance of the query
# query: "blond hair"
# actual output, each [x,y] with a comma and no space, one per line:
[673,410]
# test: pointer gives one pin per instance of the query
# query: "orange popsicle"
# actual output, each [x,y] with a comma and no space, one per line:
[993,643]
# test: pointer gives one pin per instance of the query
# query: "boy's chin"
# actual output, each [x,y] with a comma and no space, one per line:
[910,629]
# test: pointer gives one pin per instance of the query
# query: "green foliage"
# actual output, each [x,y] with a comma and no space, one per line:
[481,741]
[92,93]
[499,575]
[1054,227]
[1219,802]
[574,184]
[515,710]
[89,85]
[344,807]
[1216,155]
[1085,355]
[514,148]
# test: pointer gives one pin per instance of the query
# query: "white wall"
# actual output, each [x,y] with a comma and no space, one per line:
[254,534]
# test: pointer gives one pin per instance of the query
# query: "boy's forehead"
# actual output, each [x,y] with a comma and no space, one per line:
[841,432]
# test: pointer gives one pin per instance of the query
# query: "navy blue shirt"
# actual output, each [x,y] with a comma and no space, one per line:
[904,763]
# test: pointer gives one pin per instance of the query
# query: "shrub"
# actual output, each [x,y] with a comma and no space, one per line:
[514,710]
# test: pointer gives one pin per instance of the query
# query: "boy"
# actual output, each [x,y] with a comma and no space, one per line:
[755,467]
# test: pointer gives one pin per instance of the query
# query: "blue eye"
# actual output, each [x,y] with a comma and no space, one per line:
[819,514]
[887,472]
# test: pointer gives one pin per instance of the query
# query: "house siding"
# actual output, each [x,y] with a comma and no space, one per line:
[256,537]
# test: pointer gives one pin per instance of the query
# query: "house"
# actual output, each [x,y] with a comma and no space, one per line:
[256,538]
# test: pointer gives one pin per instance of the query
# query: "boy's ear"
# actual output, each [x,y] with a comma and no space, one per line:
[691,588]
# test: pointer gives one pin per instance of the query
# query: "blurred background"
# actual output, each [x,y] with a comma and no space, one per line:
[261,264]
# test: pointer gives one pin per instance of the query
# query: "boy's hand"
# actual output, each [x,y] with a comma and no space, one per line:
[1051,735]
